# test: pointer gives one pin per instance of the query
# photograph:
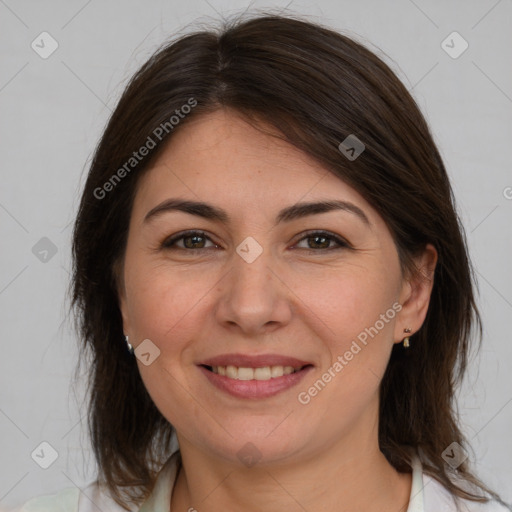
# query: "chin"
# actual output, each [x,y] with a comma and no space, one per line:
[258,445]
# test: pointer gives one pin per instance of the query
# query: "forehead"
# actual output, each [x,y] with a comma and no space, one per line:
[223,141]
[221,158]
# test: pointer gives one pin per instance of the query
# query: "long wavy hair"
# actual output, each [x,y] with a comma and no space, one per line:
[316,87]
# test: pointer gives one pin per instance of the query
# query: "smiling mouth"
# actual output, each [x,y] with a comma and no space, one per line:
[247,373]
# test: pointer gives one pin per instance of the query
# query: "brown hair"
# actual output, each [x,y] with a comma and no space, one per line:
[316,87]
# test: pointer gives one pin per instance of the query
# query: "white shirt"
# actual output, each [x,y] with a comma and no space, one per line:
[427,495]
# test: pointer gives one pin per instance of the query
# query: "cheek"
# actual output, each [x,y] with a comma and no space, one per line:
[163,308]
[160,302]
[351,303]
[358,321]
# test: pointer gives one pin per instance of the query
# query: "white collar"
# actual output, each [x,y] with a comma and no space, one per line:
[416,499]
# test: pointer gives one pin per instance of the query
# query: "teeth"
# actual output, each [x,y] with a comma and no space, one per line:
[232,372]
[264,373]
[245,374]
[277,371]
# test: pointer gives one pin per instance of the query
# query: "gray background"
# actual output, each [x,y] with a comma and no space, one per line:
[52,114]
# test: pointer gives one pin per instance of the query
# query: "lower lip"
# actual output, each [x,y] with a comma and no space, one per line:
[255,388]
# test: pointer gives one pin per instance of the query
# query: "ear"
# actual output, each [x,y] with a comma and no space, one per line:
[121,295]
[415,294]
[123,307]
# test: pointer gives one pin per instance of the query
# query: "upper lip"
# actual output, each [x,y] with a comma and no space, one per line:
[256,361]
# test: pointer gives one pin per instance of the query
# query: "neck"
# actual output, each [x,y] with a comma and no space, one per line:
[341,478]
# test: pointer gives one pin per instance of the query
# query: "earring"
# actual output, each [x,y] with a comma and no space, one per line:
[130,348]
[406,339]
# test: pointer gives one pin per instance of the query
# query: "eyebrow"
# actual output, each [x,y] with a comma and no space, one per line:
[296,211]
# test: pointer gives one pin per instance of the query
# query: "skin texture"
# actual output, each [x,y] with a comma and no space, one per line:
[311,304]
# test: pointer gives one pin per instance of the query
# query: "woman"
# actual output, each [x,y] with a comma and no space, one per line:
[274,286]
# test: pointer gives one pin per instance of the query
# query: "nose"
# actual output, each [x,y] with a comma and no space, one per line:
[254,298]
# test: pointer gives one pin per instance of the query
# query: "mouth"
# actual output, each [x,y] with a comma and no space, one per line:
[262,373]
[254,377]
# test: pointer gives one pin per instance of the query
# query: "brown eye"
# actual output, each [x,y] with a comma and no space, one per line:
[191,240]
[323,240]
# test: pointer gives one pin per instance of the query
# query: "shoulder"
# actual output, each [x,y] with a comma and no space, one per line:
[438,499]
[62,501]
[72,499]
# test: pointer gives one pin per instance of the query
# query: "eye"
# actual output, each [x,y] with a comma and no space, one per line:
[322,240]
[191,240]
[195,240]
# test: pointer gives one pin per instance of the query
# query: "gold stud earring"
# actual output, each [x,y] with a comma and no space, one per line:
[406,339]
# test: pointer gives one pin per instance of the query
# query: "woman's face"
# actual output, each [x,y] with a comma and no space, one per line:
[260,282]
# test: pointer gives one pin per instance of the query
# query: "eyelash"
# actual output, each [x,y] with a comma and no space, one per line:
[169,243]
